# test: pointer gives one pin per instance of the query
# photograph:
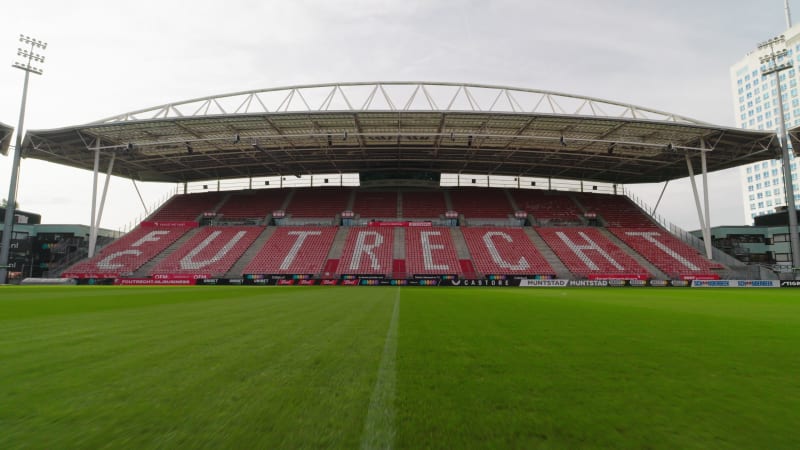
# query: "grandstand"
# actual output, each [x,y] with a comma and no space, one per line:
[355,186]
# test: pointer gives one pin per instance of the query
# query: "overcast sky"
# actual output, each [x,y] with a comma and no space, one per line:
[109,57]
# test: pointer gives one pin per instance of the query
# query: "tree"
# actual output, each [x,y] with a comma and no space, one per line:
[4,203]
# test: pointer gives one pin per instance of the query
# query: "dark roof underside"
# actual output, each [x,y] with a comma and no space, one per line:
[5,137]
[614,150]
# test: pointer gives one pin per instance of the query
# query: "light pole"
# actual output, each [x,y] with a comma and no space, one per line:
[770,65]
[28,68]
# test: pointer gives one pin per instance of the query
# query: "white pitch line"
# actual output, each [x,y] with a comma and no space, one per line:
[379,427]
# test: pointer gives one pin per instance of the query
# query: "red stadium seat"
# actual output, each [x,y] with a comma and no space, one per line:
[294,250]
[367,250]
[504,251]
[213,251]
[586,252]
[430,250]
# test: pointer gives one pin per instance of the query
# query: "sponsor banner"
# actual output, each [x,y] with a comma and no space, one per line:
[790,283]
[544,283]
[152,282]
[363,276]
[181,276]
[425,276]
[481,283]
[617,277]
[350,282]
[705,276]
[588,283]
[19,246]
[165,224]
[98,275]
[736,283]
[399,224]
[329,282]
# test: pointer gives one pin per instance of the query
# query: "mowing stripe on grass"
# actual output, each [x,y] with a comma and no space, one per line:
[379,427]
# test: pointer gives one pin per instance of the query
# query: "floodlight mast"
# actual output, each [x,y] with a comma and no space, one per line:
[770,64]
[28,68]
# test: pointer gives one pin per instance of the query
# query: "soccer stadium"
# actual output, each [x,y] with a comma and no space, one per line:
[403,182]
[401,265]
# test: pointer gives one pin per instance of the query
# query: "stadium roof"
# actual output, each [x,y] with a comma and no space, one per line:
[5,137]
[400,126]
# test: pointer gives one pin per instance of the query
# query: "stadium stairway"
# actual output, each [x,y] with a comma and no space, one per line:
[560,269]
[399,243]
[447,200]
[511,200]
[399,208]
[633,254]
[145,269]
[462,251]
[338,243]
[237,269]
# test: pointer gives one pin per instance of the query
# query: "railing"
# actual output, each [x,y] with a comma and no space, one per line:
[153,208]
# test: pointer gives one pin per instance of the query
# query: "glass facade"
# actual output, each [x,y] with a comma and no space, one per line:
[756,108]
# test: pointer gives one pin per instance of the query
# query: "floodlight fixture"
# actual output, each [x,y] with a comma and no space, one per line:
[8,220]
[771,65]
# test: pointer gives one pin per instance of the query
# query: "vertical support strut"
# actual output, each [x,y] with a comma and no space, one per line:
[707,229]
[93,243]
[92,221]
[700,215]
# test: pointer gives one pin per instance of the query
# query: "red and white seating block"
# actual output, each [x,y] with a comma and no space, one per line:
[294,250]
[367,250]
[430,250]
[504,251]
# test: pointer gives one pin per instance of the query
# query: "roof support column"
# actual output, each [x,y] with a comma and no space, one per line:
[92,228]
[707,230]
[697,205]
[93,239]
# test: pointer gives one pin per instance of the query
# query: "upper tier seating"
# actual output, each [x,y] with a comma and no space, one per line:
[187,207]
[376,204]
[617,210]
[213,250]
[252,204]
[423,204]
[504,251]
[318,202]
[430,250]
[294,250]
[665,251]
[547,206]
[367,250]
[488,203]
[586,252]
[131,251]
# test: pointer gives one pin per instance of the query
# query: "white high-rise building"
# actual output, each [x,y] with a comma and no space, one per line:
[755,99]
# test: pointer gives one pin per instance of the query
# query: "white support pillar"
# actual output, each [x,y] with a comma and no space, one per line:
[92,227]
[697,199]
[93,239]
[707,229]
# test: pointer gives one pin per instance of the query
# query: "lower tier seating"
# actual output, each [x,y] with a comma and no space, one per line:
[294,250]
[504,251]
[129,252]
[430,250]
[367,250]
[665,251]
[212,251]
[587,253]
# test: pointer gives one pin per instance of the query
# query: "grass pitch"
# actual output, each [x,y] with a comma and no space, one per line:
[319,367]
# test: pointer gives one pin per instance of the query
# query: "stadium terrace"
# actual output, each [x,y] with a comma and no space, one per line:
[402,182]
